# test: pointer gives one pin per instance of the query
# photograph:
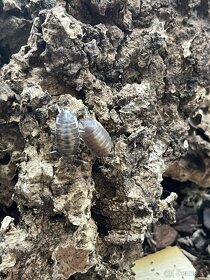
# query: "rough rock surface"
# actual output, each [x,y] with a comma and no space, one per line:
[16,17]
[141,68]
[195,166]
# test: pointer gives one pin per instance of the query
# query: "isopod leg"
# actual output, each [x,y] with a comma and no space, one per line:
[60,109]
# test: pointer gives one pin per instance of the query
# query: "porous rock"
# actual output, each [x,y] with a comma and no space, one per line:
[15,24]
[140,71]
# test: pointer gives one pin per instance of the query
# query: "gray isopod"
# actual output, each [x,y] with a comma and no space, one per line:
[95,137]
[67,133]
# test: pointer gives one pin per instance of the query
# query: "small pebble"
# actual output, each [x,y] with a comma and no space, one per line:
[164,235]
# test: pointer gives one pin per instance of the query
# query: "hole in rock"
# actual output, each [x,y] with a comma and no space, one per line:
[72,277]
[80,95]
[203,9]
[6,159]
[196,120]
[5,54]
[11,211]
[3,275]
[15,178]
[57,217]
[101,221]
[202,134]
[96,166]
[195,161]
[170,185]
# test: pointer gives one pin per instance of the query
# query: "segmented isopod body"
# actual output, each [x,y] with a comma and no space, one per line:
[95,137]
[67,133]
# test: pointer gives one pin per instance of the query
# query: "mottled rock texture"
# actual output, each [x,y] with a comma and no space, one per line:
[16,17]
[142,69]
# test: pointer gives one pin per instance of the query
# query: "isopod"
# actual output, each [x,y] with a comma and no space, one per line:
[95,137]
[67,133]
